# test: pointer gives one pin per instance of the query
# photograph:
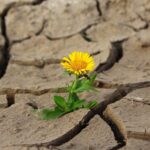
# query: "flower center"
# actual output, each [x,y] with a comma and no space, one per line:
[79,65]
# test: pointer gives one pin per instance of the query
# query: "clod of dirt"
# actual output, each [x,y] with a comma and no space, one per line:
[21,119]
[68,20]
[40,34]
[134,111]
[40,50]
[130,69]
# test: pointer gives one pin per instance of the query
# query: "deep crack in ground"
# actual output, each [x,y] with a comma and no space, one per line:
[115,55]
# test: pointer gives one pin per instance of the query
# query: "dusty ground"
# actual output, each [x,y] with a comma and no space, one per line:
[35,35]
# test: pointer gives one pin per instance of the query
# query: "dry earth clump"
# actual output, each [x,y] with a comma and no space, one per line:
[36,34]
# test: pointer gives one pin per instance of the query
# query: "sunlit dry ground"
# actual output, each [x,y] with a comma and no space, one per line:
[37,34]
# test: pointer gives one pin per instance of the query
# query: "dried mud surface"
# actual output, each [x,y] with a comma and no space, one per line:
[36,34]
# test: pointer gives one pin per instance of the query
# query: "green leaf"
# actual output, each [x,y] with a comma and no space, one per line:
[85,81]
[75,85]
[61,103]
[92,78]
[91,104]
[84,84]
[69,87]
[47,114]
[84,87]
[78,104]
[73,97]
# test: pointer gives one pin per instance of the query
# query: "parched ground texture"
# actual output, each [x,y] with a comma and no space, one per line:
[36,34]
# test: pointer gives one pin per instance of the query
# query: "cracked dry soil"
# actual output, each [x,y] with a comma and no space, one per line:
[36,34]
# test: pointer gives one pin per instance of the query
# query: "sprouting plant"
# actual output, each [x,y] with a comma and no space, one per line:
[79,64]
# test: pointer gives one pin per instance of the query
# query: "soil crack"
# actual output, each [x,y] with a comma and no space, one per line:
[138,100]
[139,135]
[82,32]
[144,27]
[40,63]
[116,53]
[97,84]
[117,95]
[98,7]
[6,48]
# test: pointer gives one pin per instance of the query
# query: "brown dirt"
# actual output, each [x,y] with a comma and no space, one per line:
[40,34]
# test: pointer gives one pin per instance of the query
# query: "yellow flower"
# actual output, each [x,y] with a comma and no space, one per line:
[78,63]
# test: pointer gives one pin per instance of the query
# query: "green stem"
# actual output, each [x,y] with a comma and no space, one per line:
[74,84]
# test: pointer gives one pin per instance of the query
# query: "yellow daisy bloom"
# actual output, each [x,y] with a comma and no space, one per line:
[78,63]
